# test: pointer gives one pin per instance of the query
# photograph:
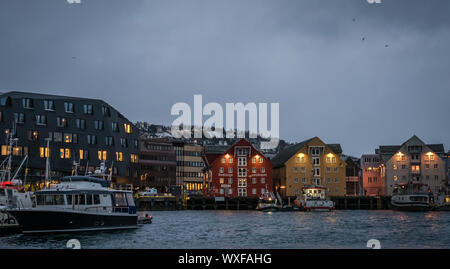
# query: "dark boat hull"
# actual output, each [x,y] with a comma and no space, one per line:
[417,207]
[46,221]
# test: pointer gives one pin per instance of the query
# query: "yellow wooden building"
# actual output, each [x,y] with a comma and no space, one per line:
[311,162]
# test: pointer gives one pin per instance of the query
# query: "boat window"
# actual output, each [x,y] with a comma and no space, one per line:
[50,199]
[119,199]
[89,199]
[96,199]
[69,199]
[130,199]
[79,199]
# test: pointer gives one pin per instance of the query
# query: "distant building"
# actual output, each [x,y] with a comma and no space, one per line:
[88,131]
[158,165]
[447,166]
[189,171]
[413,161]
[311,162]
[236,170]
[353,176]
[372,177]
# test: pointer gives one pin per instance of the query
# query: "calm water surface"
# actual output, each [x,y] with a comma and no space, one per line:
[252,229]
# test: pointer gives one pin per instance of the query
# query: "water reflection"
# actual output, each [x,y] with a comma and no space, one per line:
[252,229]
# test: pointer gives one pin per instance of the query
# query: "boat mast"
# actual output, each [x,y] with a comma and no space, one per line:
[47,162]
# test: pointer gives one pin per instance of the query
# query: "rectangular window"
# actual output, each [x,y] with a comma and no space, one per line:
[102,155]
[119,156]
[242,172]
[106,111]
[81,124]
[43,152]
[114,127]
[127,127]
[5,150]
[41,120]
[57,137]
[124,142]
[242,182]
[68,138]
[109,140]
[19,118]
[64,153]
[242,161]
[88,109]
[92,139]
[49,105]
[98,125]
[61,122]
[68,107]
[27,103]
[134,158]
[242,192]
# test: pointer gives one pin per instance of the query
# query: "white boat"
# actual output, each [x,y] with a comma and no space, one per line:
[78,203]
[313,199]
[412,197]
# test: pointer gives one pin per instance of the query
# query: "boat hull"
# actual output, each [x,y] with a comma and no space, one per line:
[47,221]
[268,209]
[417,207]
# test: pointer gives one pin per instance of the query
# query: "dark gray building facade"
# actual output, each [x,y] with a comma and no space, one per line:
[88,131]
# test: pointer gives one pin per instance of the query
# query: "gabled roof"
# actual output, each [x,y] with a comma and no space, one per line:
[283,156]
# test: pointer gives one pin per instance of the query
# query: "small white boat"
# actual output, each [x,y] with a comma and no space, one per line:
[313,199]
[412,197]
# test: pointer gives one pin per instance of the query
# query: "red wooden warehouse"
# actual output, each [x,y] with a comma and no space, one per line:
[237,170]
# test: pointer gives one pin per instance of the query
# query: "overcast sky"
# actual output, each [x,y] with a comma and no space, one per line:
[142,56]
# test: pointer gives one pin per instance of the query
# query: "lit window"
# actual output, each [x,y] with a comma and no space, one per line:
[64,153]
[260,160]
[230,160]
[102,155]
[119,156]
[223,160]
[253,160]
[127,128]
[43,152]
[67,138]
[134,158]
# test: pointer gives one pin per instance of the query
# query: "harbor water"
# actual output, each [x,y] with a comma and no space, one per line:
[253,229]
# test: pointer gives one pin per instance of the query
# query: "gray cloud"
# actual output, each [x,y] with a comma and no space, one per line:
[144,56]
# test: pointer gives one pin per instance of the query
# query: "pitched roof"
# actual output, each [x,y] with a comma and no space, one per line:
[284,155]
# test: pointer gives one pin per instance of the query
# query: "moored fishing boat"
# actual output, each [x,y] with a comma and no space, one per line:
[267,202]
[313,199]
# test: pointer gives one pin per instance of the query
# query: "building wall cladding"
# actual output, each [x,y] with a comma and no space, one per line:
[192,167]
[234,173]
[58,121]
[158,164]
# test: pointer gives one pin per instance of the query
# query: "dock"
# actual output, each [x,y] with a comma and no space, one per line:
[362,202]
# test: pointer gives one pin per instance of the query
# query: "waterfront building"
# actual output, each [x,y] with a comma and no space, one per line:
[372,177]
[88,131]
[239,170]
[311,162]
[189,171]
[413,161]
[158,164]
[353,176]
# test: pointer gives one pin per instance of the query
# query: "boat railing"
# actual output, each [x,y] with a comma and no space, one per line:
[109,209]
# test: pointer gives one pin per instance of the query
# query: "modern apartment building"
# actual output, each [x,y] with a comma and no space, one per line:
[189,171]
[413,161]
[158,164]
[311,162]
[88,131]
[237,170]
[372,175]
